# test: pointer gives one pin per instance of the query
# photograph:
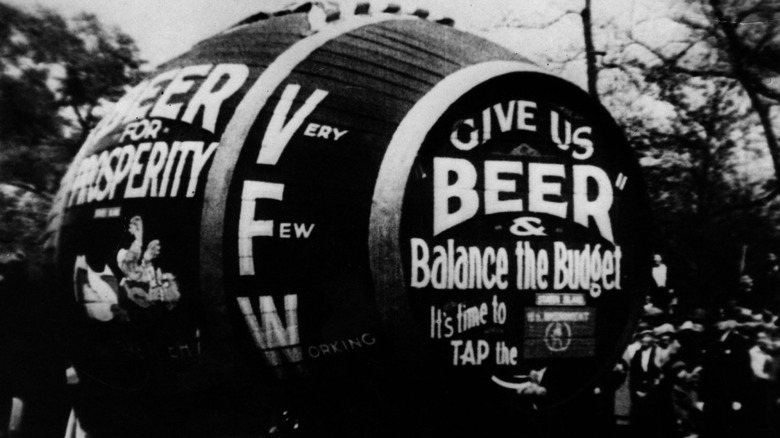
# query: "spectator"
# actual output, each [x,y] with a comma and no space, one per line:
[722,380]
[767,289]
[726,375]
[774,388]
[651,407]
[685,397]
[758,406]
[668,346]
[650,310]
[662,294]
[746,295]
[622,408]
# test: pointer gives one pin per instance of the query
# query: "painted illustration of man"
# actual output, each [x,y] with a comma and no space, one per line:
[97,291]
[144,283]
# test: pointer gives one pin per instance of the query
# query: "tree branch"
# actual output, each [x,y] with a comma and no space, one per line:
[684,51]
[740,18]
[761,201]
[590,51]
[734,48]
[764,90]
[702,26]
[565,60]
[672,62]
[516,23]
[703,73]
[79,117]
[624,69]
[769,35]
[28,188]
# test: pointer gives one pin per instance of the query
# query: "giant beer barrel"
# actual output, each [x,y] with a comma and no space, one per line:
[376,222]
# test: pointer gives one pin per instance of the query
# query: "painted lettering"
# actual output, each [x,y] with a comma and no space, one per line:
[275,339]
[143,171]
[455,179]
[279,133]
[453,266]
[248,226]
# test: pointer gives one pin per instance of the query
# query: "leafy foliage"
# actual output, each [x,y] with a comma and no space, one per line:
[712,166]
[22,217]
[55,74]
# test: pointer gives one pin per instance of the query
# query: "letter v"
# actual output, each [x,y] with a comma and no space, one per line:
[277,135]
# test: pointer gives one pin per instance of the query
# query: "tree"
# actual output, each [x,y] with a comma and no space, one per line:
[716,78]
[738,43]
[54,75]
[100,64]
[695,84]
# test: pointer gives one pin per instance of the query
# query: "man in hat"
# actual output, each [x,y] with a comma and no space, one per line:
[759,403]
[662,294]
[623,395]
[726,375]
[668,345]
[651,414]
[766,293]
[691,337]
[773,369]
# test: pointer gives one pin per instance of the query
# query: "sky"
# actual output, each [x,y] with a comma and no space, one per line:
[166,28]
[162,29]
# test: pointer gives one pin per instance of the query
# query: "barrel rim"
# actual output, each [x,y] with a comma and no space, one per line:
[387,211]
[387,201]
[232,142]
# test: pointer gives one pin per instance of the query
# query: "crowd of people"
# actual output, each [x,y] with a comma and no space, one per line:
[688,371]
[708,373]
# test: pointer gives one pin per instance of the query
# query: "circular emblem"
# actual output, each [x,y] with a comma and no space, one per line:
[557,336]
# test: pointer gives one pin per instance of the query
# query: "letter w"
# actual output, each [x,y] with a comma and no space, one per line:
[270,335]
[278,134]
